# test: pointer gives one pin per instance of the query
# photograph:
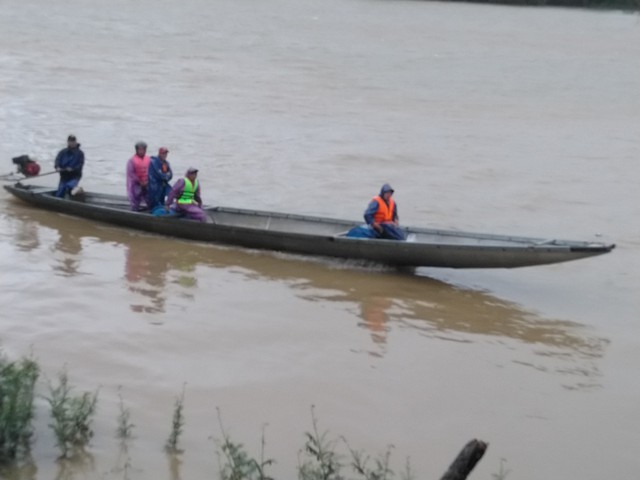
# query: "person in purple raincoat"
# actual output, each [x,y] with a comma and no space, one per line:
[186,193]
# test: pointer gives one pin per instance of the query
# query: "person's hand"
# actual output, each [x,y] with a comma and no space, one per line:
[166,207]
[58,169]
[68,169]
[377,227]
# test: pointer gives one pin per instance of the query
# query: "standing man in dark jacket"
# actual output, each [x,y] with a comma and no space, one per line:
[69,163]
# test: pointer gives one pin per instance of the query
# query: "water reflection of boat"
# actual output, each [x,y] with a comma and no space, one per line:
[146,264]
[437,309]
[383,302]
[146,268]
[70,246]
[66,249]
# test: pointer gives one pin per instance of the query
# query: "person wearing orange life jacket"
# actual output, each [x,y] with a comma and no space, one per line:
[186,193]
[382,215]
[138,177]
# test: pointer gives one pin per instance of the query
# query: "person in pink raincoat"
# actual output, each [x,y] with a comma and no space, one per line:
[138,178]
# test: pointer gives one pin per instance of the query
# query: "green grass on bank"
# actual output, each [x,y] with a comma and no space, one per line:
[321,456]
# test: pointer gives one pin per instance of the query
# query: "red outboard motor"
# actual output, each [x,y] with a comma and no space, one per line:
[26,166]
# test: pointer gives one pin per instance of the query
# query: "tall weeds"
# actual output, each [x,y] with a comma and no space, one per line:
[17,393]
[235,462]
[380,470]
[124,431]
[407,473]
[319,458]
[71,416]
[177,424]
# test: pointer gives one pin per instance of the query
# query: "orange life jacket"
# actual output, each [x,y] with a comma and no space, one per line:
[384,212]
[141,167]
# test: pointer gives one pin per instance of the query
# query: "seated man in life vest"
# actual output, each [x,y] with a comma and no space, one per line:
[186,193]
[382,215]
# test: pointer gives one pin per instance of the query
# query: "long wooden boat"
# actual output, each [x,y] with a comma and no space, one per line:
[322,236]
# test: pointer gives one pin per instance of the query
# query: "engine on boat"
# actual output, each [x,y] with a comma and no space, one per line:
[26,166]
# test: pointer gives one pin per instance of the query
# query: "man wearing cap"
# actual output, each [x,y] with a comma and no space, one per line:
[186,193]
[382,215]
[138,177]
[69,163]
[160,175]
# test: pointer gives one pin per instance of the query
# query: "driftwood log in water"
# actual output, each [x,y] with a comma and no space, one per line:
[466,460]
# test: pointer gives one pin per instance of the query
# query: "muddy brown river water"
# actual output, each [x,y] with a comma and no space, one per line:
[487,118]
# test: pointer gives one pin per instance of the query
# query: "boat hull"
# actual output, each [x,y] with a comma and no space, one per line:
[322,236]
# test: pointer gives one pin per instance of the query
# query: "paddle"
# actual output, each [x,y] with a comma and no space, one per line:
[44,174]
[8,177]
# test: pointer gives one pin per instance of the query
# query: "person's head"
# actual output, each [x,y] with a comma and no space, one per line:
[162,153]
[386,191]
[141,148]
[192,173]
[71,141]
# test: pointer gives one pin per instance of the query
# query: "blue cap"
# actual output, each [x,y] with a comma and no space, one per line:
[386,188]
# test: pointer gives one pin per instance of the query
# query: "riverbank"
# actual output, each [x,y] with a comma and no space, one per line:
[626,5]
